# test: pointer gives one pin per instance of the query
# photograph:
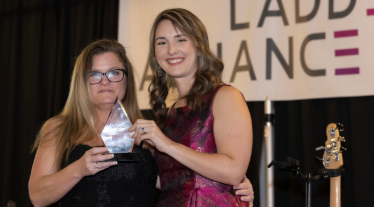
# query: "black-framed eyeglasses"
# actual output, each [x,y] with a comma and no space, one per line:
[113,76]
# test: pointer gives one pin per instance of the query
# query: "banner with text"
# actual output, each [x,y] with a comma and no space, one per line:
[287,50]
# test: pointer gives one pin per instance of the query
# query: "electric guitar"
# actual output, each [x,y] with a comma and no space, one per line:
[333,161]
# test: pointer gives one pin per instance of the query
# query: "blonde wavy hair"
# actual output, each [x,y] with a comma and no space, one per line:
[76,123]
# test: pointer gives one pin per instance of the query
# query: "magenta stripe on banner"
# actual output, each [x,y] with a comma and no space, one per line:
[347,71]
[370,12]
[346,33]
[344,52]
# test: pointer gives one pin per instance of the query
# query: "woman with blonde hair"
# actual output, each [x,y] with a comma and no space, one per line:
[68,165]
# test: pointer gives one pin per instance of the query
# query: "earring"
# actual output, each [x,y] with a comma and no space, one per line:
[159,71]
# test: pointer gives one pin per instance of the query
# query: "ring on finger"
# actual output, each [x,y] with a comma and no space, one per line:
[144,132]
[97,165]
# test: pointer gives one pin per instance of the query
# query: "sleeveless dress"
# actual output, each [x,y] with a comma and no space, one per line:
[126,184]
[181,186]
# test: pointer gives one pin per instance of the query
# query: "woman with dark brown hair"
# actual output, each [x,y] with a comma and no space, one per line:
[204,141]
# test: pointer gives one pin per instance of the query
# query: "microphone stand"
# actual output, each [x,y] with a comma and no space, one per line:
[292,165]
[268,155]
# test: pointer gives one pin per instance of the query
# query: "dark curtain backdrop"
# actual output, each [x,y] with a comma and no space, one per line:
[39,40]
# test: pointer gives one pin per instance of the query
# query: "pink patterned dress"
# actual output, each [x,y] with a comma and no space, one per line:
[181,186]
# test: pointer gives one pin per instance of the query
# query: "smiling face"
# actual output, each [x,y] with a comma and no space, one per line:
[105,93]
[175,52]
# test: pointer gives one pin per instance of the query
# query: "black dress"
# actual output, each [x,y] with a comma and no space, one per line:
[126,184]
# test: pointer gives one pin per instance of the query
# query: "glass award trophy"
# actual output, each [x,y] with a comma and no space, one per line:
[116,137]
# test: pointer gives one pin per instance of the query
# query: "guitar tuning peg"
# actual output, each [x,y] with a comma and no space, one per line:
[340,127]
[320,148]
[319,158]
[342,149]
[342,139]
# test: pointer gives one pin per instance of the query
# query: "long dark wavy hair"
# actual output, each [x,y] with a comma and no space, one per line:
[209,67]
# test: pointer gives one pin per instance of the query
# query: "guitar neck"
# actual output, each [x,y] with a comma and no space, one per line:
[335,191]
